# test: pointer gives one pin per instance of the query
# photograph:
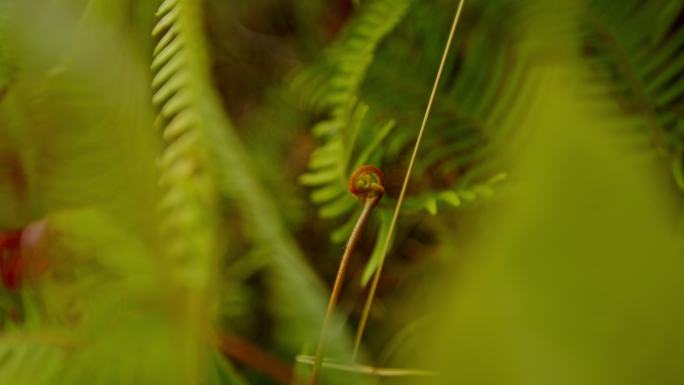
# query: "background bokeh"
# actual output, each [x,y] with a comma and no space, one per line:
[173,190]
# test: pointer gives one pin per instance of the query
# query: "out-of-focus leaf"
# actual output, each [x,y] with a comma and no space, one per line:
[576,280]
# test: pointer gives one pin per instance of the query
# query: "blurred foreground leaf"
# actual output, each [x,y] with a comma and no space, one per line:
[579,279]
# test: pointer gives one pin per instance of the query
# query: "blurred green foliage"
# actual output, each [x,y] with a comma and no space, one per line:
[177,172]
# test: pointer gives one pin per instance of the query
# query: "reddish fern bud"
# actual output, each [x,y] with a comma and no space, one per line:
[21,258]
[367,182]
[10,259]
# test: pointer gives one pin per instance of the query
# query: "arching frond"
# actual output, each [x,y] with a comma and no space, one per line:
[180,83]
[638,47]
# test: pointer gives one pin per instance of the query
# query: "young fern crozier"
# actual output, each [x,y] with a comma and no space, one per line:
[367,184]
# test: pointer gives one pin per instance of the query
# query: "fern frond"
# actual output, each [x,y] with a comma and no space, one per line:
[355,130]
[638,49]
[473,109]
[331,163]
[188,204]
[336,78]
[430,201]
[334,85]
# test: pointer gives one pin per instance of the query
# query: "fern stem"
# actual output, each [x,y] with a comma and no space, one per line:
[339,281]
[376,278]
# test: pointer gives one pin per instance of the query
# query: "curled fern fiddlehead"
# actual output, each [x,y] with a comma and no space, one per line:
[367,182]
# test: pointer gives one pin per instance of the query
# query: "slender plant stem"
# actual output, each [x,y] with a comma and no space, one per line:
[339,281]
[407,177]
